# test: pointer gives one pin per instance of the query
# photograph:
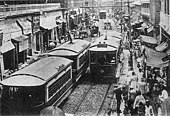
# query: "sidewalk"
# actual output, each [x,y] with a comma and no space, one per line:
[123,78]
[124,74]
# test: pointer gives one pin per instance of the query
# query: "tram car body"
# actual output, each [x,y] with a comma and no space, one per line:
[77,50]
[102,14]
[44,83]
[103,55]
[94,30]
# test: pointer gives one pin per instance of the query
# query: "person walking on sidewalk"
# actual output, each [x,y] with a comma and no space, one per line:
[163,97]
[118,93]
[139,98]
[148,109]
[141,109]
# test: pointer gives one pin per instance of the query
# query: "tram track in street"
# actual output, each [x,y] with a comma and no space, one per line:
[88,101]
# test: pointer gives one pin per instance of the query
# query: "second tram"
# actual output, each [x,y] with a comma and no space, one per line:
[102,14]
[103,56]
[44,83]
[77,50]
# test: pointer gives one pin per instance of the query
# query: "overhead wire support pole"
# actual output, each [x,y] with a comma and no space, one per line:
[130,39]
[121,16]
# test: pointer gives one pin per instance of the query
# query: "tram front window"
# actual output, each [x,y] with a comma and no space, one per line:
[102,59]
[21,100]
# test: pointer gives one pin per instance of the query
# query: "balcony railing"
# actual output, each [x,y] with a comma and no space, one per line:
[26,8]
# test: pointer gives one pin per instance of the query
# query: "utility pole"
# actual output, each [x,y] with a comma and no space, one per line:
[121,16]
[130,39]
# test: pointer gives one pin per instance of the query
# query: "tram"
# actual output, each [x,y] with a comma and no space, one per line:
[44,83]
[103,55]
[102,14]
[77,50]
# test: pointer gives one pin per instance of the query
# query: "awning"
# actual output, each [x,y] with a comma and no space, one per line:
[7,46]
[136,3]
[150,29]
[26,25]
[23,42]
[145,1]
[154,58]
[148,39]
[61,20]
[11,30]
[48,22]
[162,46]
[20,38]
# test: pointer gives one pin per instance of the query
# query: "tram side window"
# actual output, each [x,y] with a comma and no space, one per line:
[93,57]
[83,59]
[57,85]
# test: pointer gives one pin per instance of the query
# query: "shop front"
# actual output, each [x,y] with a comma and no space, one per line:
[51,30]
[14,46]
[7,51]
[25,24]
[154,65]
[48,26]
[21,46]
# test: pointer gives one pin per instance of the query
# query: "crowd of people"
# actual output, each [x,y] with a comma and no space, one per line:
[146,91]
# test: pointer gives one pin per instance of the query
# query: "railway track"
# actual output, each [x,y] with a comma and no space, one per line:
[89,99]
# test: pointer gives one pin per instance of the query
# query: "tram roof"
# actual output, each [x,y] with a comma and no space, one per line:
[37,73]
[114,34]
[108,49]
[70,49]
[111,41]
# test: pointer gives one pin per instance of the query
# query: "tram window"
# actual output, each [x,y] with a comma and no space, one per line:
[111,58]
[103,58]
[54,87]
[93,57]
[83,59]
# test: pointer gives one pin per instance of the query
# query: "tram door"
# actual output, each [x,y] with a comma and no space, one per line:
[103,63]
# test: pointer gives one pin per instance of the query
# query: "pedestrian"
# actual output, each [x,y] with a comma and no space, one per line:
[164,94]
[139,98]
[148,109]
[163,97]
[141,109]
[155,99]
[138,65]
[130,102]
[118,93]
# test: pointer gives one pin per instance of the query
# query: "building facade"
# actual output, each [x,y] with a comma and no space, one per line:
[165,31]
[27,33]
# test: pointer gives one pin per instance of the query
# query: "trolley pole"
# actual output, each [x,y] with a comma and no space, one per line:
[121,16]
[130,39]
